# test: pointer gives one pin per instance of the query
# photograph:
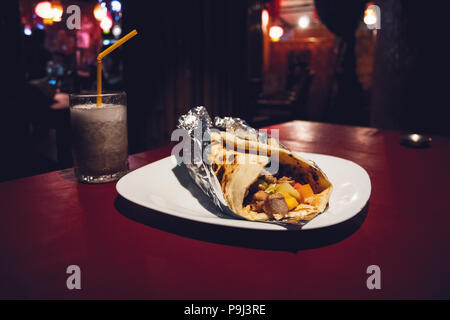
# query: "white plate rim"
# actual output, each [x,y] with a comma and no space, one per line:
[121,187]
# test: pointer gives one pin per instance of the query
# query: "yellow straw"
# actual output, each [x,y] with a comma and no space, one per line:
[99,83]
[101,55]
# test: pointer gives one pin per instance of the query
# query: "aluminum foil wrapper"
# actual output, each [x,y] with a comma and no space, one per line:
[198,125]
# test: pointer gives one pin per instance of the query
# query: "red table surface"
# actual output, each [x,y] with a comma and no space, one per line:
[50,221]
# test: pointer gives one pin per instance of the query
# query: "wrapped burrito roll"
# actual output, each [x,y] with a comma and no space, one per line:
[297,191]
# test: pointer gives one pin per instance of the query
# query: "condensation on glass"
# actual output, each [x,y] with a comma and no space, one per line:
[99,137]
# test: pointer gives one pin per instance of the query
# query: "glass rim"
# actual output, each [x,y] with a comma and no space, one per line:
[94,94]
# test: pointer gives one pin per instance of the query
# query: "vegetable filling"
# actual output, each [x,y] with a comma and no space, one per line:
[276,197]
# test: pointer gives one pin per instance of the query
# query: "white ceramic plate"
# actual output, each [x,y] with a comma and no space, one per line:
[166,187]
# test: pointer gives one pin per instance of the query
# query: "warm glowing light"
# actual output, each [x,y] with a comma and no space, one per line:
[116,6]
[100,12]
[44,10]
[116,31]
[304,22]
[370,16]
[106,23]
[275,33]
[57,10]
[415,137]
[264,19]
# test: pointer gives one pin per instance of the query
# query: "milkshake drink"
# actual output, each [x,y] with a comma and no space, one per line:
[99,141]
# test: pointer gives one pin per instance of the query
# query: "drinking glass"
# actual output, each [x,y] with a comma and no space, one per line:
[99,136]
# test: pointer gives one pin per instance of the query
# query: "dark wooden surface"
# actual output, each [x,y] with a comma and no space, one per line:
[50,221]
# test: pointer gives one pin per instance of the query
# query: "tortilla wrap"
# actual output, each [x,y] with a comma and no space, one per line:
[238,163]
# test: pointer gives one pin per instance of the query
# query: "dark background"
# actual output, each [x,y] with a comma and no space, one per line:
[204,52]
